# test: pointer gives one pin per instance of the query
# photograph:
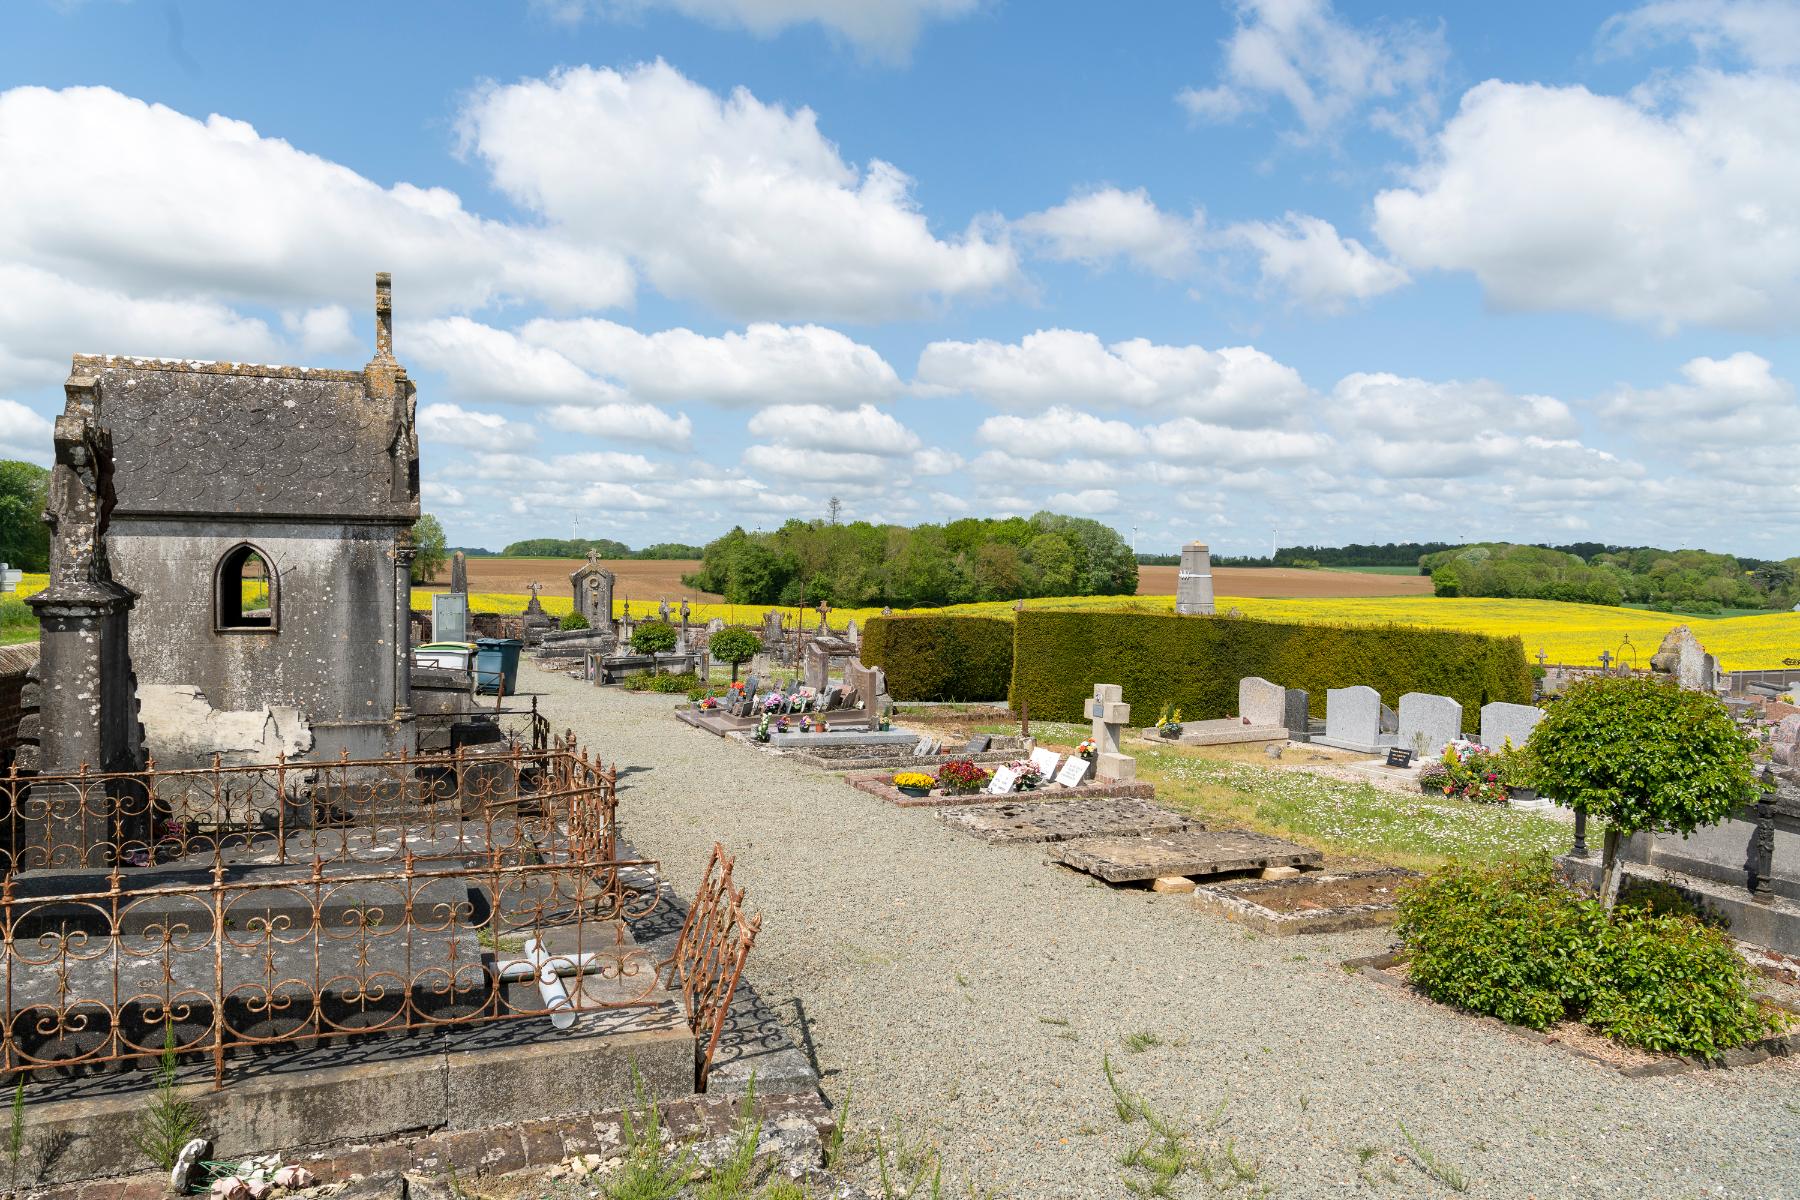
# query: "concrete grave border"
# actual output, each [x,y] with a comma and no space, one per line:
[1235,900]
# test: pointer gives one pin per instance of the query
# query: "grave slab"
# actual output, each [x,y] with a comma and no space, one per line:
[1062,821]
[1192,852]
[799,741]
[1221,731]
[1327,902]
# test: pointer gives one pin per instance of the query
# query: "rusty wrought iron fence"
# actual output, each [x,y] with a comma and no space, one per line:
[709,956]
[235,910]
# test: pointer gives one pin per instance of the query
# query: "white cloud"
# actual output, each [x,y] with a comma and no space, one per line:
[1730,415]
[1403,409]
[866,430]
[818,465]
[1013,470]
[111,191]
[1309,260]
[1765,33]
[1061,431]
[1088,501]
[883,29]
[441,494]
[628,422]
[453,425]
[1235,385]
[737,203]
[24,434]
[765,364]
[1326,69]
[1186,438]
[1098,226]
[1674,206]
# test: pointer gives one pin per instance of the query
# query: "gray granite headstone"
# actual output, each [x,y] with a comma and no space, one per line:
[1261,702]
[1297,718]
[979,743]
[1501,722]
[1428,723]
[1353,720]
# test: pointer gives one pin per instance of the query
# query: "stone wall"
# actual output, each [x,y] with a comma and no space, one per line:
[15,662]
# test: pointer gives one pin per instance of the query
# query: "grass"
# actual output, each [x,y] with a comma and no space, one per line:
[1432,1165]
[1407,829]
[17,622]
[1157,1163]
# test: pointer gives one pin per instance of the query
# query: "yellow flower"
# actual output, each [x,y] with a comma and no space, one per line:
[914,779]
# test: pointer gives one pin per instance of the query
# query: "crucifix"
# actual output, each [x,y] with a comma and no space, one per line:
[1109,713]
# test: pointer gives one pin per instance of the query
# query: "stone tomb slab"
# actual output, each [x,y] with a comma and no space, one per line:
[1062,820]
[1221,731]
[1322,902]
[1191,852]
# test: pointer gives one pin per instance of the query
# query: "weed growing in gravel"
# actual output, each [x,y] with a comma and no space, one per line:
[1137,1043]
[1167,1153]
[1432,1165]
[649,1172]
[733,1178]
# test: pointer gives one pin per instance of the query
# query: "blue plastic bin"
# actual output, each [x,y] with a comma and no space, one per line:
[497,660]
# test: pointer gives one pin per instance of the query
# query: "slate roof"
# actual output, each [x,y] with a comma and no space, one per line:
[199,438]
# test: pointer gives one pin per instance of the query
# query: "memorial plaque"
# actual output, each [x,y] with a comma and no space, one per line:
[979,744]
[1074,772]
[1004,780]
[1398,757]
[1046,761]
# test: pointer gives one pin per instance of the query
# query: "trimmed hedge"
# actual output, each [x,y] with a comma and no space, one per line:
[941,658]
[1196,662]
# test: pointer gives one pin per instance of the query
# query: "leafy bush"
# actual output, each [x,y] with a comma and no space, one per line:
[1642,755]
[574,621]
[653,637]
[1196,662]
[734,646]
[1673,984]
[941,658]
[1514,942]
[1510,941]
[669,684]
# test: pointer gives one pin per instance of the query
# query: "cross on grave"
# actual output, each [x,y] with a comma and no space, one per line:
[1541,656]
[1605,660]
[534,587]
[1110,713]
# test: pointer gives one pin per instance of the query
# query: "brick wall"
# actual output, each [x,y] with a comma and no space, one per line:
[14,662]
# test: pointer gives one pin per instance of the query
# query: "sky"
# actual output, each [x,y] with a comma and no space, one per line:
[1254,272]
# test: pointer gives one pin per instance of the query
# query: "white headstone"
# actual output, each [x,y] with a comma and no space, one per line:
[923,748]
[1004,780]
[1109,713]
[1428,723]
[1502,722]
[1046,761]
[9,578]
[1261,702]
[1074,772]
[1353,715]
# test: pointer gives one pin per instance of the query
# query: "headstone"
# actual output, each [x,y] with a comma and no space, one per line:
[716,625]
[592,585]
[1353,720]
[923,748]
[9,578]
[1390,720]
[1682,657]
[1109,712]
[1297,718]
[1004,780]
[978,744]
[1046,761]
[1074,772]
[1502,722]
[1428,723]
[449,617]
[1194,585]
[1261,702]
[459,574]
[852,634]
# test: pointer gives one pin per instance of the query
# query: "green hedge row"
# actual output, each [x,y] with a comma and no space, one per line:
[941,658]
[1196,662]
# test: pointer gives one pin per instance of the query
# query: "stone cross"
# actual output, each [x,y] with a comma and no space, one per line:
[662,610]
[1605,660]
[684,613]
[1110,713]
[1541,656]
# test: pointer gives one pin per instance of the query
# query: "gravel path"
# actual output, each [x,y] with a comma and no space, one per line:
[968,992]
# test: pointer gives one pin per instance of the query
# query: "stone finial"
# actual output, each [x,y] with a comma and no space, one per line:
[384,316]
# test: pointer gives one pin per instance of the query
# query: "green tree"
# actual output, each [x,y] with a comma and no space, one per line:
[428,548]
[1643,755]
[653,637]
[24,538]
[734,646]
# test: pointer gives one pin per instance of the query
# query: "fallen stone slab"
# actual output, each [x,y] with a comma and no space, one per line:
[1191,852]
[1322,902]
[1052,820]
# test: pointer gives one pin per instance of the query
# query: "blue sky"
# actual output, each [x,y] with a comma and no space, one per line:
[1226,271]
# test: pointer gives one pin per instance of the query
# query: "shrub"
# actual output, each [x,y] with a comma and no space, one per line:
[1510,941]
[669,684]
[734,646]
[574,621]
[653,637]
[941,657]
[1514,942]
[1642,755]
[1672,984]
[1196,662]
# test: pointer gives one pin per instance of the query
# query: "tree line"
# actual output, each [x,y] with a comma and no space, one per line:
[1692,581]
[862,565]
[604,547]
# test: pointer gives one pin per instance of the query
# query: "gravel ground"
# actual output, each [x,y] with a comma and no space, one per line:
[968,992]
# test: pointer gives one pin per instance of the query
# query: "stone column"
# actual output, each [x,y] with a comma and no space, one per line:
[1194,586]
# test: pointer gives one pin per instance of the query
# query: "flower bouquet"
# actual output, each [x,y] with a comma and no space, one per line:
[1169,722]
[1087,749]
[1028,775]
[773,702]
[762,729]
[914,783]
[707,703]
[961,777]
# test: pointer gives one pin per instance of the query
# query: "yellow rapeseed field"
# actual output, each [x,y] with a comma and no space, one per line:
[1571,633]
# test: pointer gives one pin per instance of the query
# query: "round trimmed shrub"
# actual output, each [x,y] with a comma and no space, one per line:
[653,637]
[734,646]
[574,621]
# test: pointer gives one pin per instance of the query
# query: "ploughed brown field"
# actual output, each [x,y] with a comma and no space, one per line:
[641,579]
